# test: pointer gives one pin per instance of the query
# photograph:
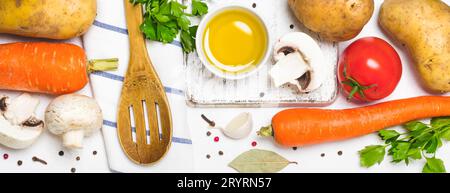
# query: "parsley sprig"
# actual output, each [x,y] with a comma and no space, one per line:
[164,19]
[419,141]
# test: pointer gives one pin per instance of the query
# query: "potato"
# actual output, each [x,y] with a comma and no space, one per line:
[423,26]
[335,20]
[53,19]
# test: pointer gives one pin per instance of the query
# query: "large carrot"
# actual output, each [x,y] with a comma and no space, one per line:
[51,68]
[298,127]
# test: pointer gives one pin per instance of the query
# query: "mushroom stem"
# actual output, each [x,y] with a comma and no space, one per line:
[289,69]
[73,139]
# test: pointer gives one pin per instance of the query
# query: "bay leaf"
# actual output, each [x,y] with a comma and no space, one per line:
[259,161]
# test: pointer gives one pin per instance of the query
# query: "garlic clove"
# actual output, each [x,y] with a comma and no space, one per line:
[239,127]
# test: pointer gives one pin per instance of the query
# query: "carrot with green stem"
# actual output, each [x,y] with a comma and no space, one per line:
[298,127]
[51,68]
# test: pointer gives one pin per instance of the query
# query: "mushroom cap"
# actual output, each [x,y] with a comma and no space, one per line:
[73,112]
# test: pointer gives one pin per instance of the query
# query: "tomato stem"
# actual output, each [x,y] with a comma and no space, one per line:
[356,87]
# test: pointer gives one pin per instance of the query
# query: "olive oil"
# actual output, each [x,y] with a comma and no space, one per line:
[235,41]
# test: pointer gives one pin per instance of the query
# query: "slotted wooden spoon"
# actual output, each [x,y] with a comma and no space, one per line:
[142,92]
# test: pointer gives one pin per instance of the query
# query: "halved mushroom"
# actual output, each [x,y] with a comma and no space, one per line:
[299,62]
[19,128]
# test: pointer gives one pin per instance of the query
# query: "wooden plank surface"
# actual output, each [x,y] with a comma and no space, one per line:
[207,90]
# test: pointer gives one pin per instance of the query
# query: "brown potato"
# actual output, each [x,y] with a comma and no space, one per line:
[335,20]
[53,19]
[423,26]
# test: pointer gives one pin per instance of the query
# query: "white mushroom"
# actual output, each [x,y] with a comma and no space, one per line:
[299,62]
[73,117]
[19,128]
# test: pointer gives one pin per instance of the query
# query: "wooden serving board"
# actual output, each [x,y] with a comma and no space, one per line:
[204,89]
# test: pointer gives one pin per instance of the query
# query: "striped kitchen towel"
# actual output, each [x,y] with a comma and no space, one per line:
[108,39]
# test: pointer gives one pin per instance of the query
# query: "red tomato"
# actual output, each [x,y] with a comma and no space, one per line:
[369,69]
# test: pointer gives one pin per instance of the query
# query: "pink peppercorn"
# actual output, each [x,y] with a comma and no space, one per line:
[5,156]
[216,139]
[254,144]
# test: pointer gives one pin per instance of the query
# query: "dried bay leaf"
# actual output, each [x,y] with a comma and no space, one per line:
[259,161]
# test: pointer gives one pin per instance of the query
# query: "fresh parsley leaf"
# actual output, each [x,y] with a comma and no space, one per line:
[439,122]
[165,19]
[432,145]
[445,135]
[371,155]
[188,39]
[165,8]
[177,9]
[165,33]
[193,29]
[415,126]
[199,8]
[184,22]
[389,135]
[399,151]
[162,18]
[419,139]
[153,7]
[149,29]
[414,153]
[138,1]
[434,165]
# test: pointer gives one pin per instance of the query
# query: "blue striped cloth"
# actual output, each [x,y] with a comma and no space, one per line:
[108,38]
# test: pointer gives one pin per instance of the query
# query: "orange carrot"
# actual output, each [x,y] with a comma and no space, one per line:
[298,127]
[51,68]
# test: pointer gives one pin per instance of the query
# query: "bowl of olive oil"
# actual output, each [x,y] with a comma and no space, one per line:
[233,42]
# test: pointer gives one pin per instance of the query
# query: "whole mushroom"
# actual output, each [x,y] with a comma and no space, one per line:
[73,117]
[19,128]
[299,62]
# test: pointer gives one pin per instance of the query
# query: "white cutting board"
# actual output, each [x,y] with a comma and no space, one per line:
[309,158]
[203,89]
[48,145]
